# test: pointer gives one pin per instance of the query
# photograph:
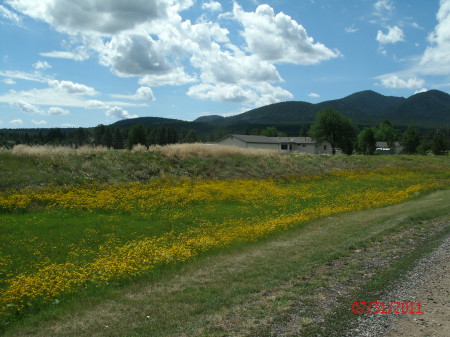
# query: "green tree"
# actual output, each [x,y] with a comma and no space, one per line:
[107,138]
[365,142]
[410,140]
[338,130]
[118,139]
[191,137]
[439,146]
[99,133]
[385,132]
[137,135]
[271,131]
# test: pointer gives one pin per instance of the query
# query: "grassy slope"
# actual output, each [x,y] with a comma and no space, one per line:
[302,281]
[27,167]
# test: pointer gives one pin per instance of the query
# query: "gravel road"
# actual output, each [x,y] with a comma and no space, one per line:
[428,283]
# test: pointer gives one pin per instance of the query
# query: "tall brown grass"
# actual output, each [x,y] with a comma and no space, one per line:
[55,151]
[183,151]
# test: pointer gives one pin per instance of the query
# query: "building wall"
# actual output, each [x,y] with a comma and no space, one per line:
[233,141]
[305,148]
[275,147]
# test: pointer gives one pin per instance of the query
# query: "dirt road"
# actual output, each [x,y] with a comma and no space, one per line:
[429,284]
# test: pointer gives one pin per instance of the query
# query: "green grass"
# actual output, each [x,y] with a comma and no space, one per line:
[283,283]
[276,284]
[68,167]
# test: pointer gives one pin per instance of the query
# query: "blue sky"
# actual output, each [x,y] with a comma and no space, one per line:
[67,63]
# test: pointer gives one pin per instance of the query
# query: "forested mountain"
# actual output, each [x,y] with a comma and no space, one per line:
[428,109]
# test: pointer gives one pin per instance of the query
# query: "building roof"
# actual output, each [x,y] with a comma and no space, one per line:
[381,144]
[271,140]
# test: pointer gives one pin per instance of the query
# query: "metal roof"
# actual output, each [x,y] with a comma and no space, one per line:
[271,140]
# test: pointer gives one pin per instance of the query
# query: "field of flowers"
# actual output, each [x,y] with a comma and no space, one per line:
[59,241]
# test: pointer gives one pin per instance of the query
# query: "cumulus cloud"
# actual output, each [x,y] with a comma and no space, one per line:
[27,107]
[41,65]
[213,6]
[95,16]
[142,93]
[279,38]
[41,122]
[151,41]
[435,58]
[314,95]
[57,111]
[396,82]
[119,113]
[421,90]
[132,55]
[16,122]
[94,104]
[394,35]
[72,88]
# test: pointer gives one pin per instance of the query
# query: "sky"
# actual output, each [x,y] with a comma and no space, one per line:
[72,63]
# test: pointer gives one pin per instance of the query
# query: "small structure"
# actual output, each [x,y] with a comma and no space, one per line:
[282,144]
[384,148]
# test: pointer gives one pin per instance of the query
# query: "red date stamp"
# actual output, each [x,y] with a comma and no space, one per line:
[392,307]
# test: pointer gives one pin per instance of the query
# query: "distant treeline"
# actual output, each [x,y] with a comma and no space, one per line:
[115,137]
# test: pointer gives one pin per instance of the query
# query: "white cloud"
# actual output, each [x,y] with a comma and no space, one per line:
[258,94]
[105,17]
[119,113]
[142,93]
[213,6]
[394,35]
[384,5]
[177,76]
[132,55]
[395,82]
[9,81]
[20,75]
[94,104]
[16,122]
[56,111]
[149,39]
[435,58]
[79,54]
[41,122]
[314,95]
[351,29]
[41,65]
[29,108]
[72,88]
[280,39]
[421,90]
[49,97]
[9,15]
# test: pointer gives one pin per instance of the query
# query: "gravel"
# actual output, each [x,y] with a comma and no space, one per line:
[428,283]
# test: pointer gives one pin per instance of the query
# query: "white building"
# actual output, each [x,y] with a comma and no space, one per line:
[282,144]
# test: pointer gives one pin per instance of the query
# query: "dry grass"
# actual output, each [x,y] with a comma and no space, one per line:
[182,151]
[55,151]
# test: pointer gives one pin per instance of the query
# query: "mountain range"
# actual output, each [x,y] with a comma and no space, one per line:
[430,109]
[427,109]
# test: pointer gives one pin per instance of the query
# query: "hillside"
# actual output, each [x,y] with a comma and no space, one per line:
[431,109]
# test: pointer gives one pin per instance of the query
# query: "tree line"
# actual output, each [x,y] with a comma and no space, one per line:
[330,125]
[341,133]
[102,135]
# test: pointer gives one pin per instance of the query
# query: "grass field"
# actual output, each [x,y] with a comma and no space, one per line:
[62,244]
